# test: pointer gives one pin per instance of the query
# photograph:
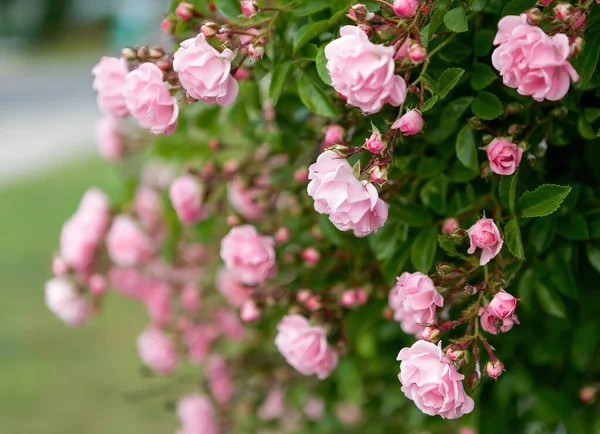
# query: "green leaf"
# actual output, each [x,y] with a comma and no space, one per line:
[482,76]
[543,201]
[392,267]
[483,42]
[541,233]
[307,7]
[456,20]
[477,5]
[314,98]
[449,118]
[412,215]
[487,106]
[513,239]
[592,114]
[561,275]
[586,62]
[593,255]
[423,249]
[584,347]
[507,191]
[573,227]
[516,7]
[279,80]
[229,8]
[551,301]
[349,381]
[433,194]
[321,63]
[449,78]
[448,246]
[385,241]
[429,167]
[436,20]
[465,148]
[429,103]
[308,32]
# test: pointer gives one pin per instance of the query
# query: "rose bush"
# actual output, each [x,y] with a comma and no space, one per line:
[327,184]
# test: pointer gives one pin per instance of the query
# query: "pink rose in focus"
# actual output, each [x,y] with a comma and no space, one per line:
[450,225]
[305,347]
[187,195]
[375,143]
[197,339]
[414,300]
[109,79]
[197,415]
[149,100]
[531,61]
[484,235]
[504,156]
[157,351]
[273,406]
[333,135]
[230,286]
[205,72]
[406,8]
[493,324]
[430,380]
[148,206]
[127,243]
[245,200]
[363,72]
[503,305]
[219,380]
[351,204]
[248,254]
[108,138]
[65,301]
[410,123]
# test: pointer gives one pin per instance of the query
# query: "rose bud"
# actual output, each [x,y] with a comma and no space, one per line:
[544,2]
[534,16]
[209,29]
[311,255]
[248,8]
[580,19]
[302,296]
[282,235]
[375,144]
[577,46]
[503,305]
[410,123]
[564,12]
[185,11]
[485,235]
[301,175]
[333,135]
[406,8]
[494,368]
[361,296]
[348,298]
[359,12]
[587,394]
[416,53]
[249,311]
[379,174]
[313,303]
[168,25]
[256,51]
[450,225]
[431,334]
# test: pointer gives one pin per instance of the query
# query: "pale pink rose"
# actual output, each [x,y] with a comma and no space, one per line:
[109,80]
[65,301]
[149,100]
[484,235]
[305,346]
[190,298]
[249,311]
[503,304]
[333,135]
[157,350]
[450,225]
[229,324]
[248,254]
[363,72]
[410,123]
[232,288]
[148,206]
[126,242]
[219,380]
[504,156]
[415,300]
[130,282]
[314,408]
[248,8]
[205,72]
[375,143]
[185,11]
[493,324]
[406,8]
[108,138]
[197,339]
[351,204]
[246,200]
[273,406]
[432,382]
[197,415]
[531,61]
[187,196]
[157,298]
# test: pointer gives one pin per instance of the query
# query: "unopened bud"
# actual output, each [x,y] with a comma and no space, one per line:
[431,334]
[302,296]
[248,8]
[564,12]
[416,53]
[143,52]
[249,311]
[282,235]
[366,28]
[164,65]
[241,73]
[456,355]
[156,52]
[544,2]
[577,46]
[359,13]
[301,175]
[587,394]
[168,25]
[342,150]
[560,112]
[513,108]
[311,255]
[487,138]
[233,220]
[185,11]
[494,368]
[97,285]
[230,167]
[361,296]
[450,225]
[443,269]
[348,298]
[534,16]
[512,129]
[129,53]
[209,29]
[387,313]
[379,174]
[580,19]
[313,303]
[375,143]
[256,51]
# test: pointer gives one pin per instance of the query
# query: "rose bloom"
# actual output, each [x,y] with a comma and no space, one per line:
[149,100]
[410,123]
[503,304]
[197,415]
[219,380]
[484,235]
[186,194]
[351,204]
[504,156]
[363,72]
[531,61]
[250,256]
[232,288]
[157,350]
[205,72]
[432,382]
[65,301]
[108,138]
[305,346]
[127,243]
[414,301]
[245,200]
[109,79]
[494,324]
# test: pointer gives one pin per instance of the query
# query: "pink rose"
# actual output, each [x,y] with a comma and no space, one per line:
[197,415]
[503,305]
[187,195]
[219,380]
[450,225]
[108,138]
[65,301]
[414,301]
[484,235]
[416,53]
[204,72]
[109,80]
[531,61]
[129,281]
[333,135]
[363,72]
[432,382]
[185,11]
[198,338]
[406,8]
[245,200]
[504,156]
[410,123]
[273,406]
[157,350]
[494,324]
[148,206]
[351,204]
[248,8]
[305,347]
[149,100]
[249,311]
[375,143]
[248,254]
[127,243]
[232,288]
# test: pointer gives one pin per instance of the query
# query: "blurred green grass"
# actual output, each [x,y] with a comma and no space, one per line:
[53,379]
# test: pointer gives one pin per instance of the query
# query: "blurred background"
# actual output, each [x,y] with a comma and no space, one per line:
[55,380]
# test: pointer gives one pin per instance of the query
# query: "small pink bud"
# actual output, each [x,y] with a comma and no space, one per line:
[534,16]
[455,354]
[375,143]
[241,74]
[97,285]
[249,311]
[348,298]
[233,220]
[406,8]
[302,296]
[410,123]
[59,266]
[313,303]
[577,46]
[378,174]
[256,51]
[282,235]
[544,2]
[416,53]
[213,144]
[564,12]
[185,11]
[311,255]
[333,135]
[587,394]
[402,52]
[230,167]
[361,296]
[388,313]
[450,225]
[431,334]
[359,13]
[466,430]
[301,175]
[268,111]
[494,368]
[209,29]
[248,8]
[168,25]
